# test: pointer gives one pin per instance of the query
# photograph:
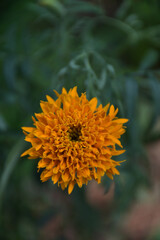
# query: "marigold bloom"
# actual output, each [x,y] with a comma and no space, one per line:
[75,140]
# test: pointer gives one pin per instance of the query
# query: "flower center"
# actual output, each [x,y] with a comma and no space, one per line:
[75,133]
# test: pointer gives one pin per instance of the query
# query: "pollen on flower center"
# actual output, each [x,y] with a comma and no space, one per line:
[74,133]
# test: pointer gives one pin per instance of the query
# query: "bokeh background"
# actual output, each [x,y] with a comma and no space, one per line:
[110,50]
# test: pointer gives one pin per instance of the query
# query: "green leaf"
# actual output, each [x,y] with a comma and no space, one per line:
[131,100]
[155,90]
[149,59]
[54,4]
[10,71]
[82,6]
[103,79]
[11,161]
[3,124]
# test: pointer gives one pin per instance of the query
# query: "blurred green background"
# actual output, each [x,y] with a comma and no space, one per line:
[110,50]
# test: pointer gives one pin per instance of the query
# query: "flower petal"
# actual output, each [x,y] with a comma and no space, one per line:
[70,187]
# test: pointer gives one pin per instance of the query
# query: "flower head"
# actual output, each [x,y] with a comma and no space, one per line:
[75,140]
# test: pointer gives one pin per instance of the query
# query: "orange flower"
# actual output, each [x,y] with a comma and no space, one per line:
[75,140]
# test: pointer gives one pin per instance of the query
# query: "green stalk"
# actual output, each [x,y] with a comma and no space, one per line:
[11,161]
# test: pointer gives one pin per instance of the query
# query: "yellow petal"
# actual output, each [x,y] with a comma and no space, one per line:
[118,152]
[50,100]
[44,107]
[114,139]
[28,129]
[95,150]
[73,92]
[41,164]
[115,171]
[100,171]
[64,91]
[57,94]
[106,107]
[70,187]
[93,104]
[85,172]
[115,113]
[55,178]
[121,120]
[111,111]
[79,182]
[109,175]
[34,120]
[105,151]
[48,173]
[55,169]
[26,152]
[66,177]
[66,105]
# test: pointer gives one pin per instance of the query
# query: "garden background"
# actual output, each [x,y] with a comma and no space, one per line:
[110,50]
